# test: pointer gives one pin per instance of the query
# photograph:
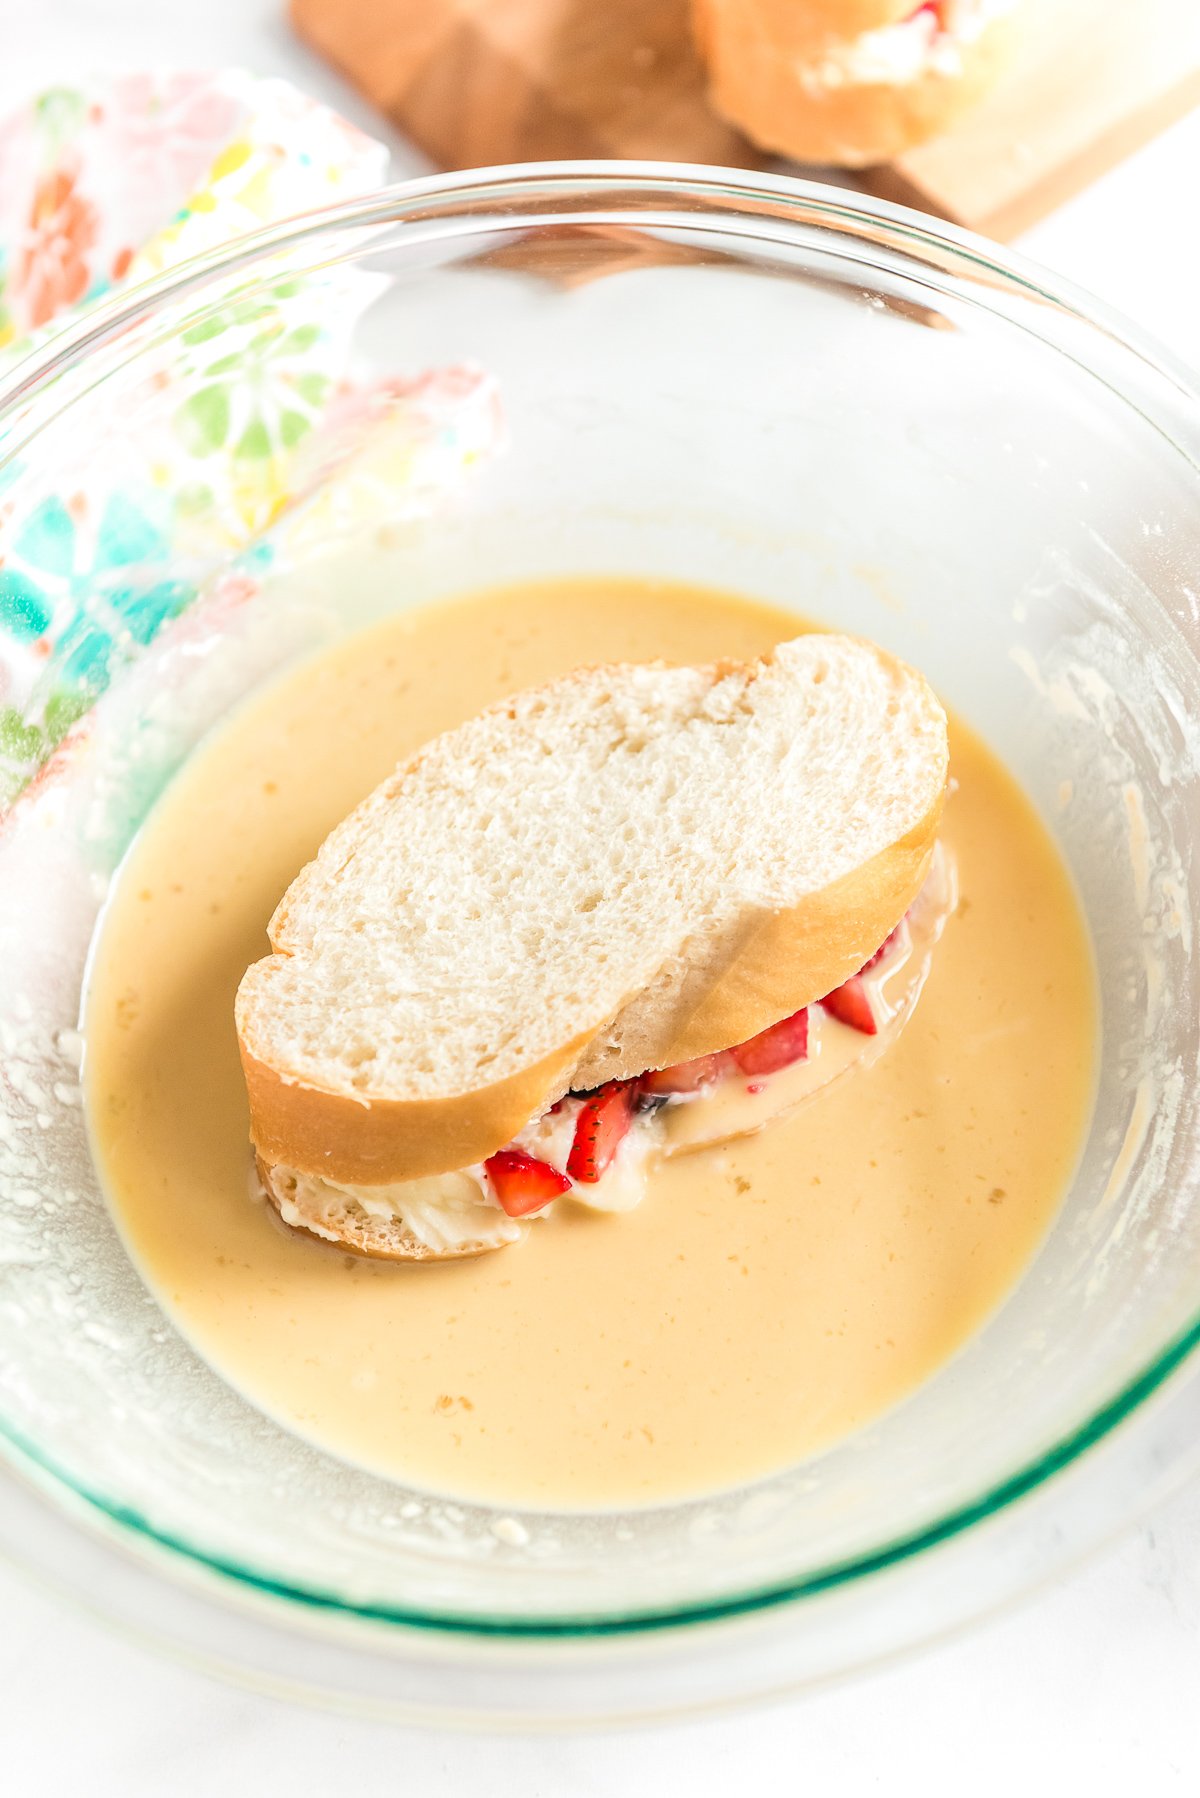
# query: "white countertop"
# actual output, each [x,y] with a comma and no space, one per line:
[1090,1685]
[1090,1688]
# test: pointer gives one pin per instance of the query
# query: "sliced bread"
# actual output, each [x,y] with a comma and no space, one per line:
[621,870]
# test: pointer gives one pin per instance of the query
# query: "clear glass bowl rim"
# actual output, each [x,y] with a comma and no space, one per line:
[528,196]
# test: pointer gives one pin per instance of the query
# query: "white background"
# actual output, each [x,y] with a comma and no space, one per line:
[1095,1684]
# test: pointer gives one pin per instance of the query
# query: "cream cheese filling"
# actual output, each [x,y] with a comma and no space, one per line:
[927,44]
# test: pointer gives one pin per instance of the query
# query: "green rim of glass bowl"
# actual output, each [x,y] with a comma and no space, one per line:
[901,1549]
[495,196]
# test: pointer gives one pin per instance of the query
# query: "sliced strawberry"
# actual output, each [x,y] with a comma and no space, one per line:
[889,942]
[850,1003]
[776,1047]
[684,1077]
[602,1123]
[522,1183]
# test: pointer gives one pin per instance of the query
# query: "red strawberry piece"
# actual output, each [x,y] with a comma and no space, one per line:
[685,1076]
[522,1183]
[851,1004]
[776,1047]
[889,942]
[602,1123]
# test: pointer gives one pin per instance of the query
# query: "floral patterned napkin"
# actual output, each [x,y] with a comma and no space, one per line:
[241,429]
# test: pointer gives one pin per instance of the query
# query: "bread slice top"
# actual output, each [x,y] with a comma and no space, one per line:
[616,871]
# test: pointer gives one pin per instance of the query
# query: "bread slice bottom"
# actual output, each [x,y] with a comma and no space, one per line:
[463,1225]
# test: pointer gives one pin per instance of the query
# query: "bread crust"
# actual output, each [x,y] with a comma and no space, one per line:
[755,81]
[374,1142]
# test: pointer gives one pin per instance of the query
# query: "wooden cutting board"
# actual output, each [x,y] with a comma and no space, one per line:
[474,82]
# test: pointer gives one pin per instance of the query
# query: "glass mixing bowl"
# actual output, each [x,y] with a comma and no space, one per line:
[749,382]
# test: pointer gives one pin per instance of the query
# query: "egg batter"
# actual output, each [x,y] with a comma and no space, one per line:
[766,1299]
